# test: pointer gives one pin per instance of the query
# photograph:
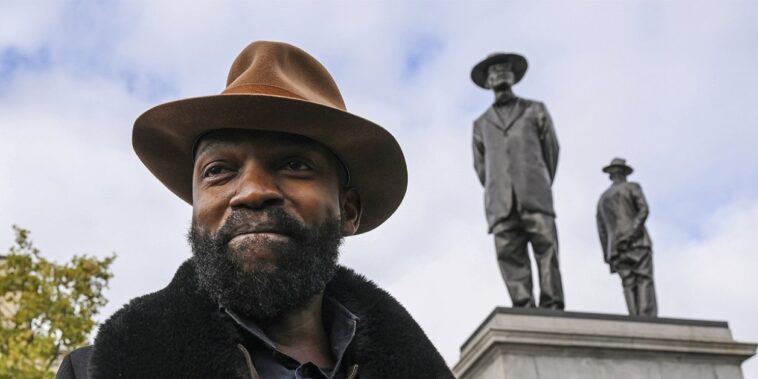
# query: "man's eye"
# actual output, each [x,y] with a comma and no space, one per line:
[215,170]
[297,165]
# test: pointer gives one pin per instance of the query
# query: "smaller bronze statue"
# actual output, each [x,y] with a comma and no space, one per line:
[515,157]
[621,214]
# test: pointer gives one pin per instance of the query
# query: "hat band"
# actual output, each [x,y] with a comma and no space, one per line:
[260,89]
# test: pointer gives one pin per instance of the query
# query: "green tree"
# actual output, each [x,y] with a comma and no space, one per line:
[47,309]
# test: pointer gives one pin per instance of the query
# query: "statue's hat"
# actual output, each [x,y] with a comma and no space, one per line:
[277,87]
[517,61]
[621,163]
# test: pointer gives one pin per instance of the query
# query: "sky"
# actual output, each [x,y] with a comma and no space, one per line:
[670,86]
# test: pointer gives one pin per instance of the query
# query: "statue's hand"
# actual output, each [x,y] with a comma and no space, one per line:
[622,245]
[623,242]
[627,235]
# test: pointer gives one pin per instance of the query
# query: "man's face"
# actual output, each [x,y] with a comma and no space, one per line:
[251,171]
[268,217]
[500,76]
[616,173]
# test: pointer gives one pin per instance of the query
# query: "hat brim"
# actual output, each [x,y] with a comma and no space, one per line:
[627,170]
[518,65]
[163,138]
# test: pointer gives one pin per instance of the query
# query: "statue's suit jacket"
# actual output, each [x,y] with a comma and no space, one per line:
[622,211]
[515,152]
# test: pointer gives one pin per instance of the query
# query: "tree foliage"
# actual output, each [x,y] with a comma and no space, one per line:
[47,309]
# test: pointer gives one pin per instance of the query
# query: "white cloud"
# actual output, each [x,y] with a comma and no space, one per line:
[25,23]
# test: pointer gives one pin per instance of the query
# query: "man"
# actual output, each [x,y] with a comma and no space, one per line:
[277,172]
[515,156]
[621,214]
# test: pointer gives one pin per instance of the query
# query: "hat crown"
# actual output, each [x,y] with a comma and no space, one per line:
[280,69]
[618,162]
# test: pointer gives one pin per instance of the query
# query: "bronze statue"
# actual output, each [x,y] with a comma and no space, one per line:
[515,156]
[621,214]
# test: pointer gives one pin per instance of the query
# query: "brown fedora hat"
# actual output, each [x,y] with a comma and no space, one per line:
[277,87]
[518,65]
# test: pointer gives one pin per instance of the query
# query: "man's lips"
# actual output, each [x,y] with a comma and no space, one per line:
[260,231]
[259,234]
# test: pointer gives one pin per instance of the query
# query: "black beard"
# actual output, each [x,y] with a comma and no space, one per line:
[303,264]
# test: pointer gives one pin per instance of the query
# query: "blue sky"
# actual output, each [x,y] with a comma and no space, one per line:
[669,86]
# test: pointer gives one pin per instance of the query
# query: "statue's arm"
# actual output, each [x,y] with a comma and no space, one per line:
[602,233]
[478,146]
[642,208]
[549,142]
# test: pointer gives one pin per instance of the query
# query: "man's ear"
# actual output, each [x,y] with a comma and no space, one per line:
[351,209]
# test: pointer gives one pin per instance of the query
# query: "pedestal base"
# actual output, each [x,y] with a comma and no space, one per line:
[532,343]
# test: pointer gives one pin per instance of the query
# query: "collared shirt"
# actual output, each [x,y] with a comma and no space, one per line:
[505,106]
[340,326]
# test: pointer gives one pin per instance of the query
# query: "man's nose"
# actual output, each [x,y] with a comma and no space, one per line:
[256,188]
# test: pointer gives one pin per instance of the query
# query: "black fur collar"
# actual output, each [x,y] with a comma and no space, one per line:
[178,332]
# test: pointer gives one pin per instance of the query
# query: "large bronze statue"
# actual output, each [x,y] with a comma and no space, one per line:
[621,214]
[515,156]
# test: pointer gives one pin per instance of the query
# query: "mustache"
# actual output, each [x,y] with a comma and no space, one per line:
[270,220]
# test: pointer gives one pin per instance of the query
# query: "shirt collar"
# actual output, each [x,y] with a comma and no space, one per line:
[341,328]
[250,326]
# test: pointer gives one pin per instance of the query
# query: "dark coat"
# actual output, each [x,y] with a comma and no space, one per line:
[516,152]
[179,332]
[621,214]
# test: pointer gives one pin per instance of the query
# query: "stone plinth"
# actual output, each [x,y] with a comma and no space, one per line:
[529,343]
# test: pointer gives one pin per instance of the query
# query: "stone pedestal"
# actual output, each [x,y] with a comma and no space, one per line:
[532,343]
